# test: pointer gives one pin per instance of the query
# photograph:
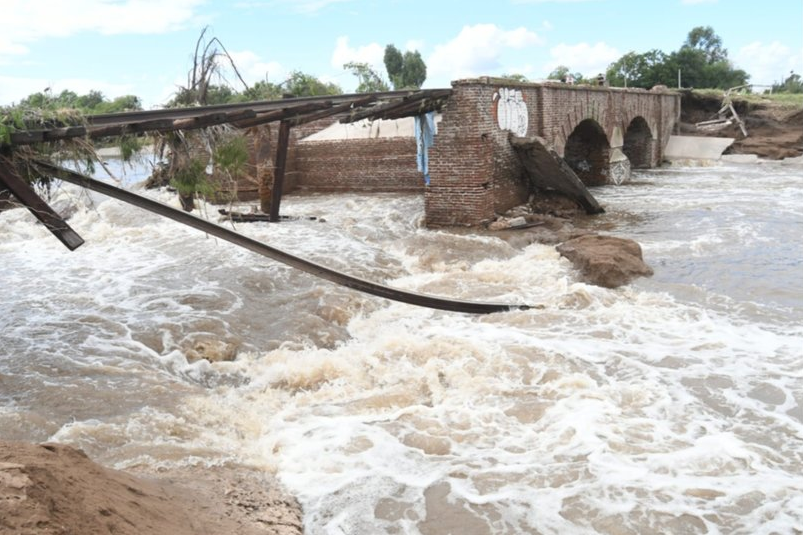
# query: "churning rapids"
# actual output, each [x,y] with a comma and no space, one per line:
[674,404]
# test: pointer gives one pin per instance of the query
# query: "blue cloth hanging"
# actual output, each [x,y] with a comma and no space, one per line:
[425,131]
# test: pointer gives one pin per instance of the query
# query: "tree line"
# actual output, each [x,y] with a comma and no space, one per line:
[701,62]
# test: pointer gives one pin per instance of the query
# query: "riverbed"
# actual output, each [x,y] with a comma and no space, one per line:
[674,404]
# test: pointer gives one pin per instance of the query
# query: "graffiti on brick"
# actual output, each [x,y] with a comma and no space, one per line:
[511,111]
[620,171]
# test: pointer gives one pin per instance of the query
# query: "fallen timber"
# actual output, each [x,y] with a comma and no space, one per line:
[11,181]
[323,272]
[288,112]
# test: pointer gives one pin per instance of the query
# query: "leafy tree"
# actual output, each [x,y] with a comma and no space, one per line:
[125,103]
[300,84]
[262,90]
[91,103]
[705,39]
[370,80]
[414,72]
[701,60]
[793,84]
[515,77]
[696,71]
[394,65]
[561,72]
[407,71]
[639,70]
[91,100]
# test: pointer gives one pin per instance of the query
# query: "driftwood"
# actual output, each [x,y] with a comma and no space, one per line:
[240,217]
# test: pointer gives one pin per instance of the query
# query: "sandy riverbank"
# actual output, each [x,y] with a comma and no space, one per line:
[55,489]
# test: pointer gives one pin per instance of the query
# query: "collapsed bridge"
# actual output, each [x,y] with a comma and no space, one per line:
[498,141]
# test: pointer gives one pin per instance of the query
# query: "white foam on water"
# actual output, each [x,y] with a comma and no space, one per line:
[670,405]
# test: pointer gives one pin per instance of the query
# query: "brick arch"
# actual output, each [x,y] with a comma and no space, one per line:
[582,111]
[638,143]
[587,152]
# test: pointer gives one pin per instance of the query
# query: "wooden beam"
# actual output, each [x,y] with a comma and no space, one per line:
[12,181]
[154,125]
[282,114]
[278,175]
[342,108]
[241,115]
[415,108]
[378,111]
[307,266]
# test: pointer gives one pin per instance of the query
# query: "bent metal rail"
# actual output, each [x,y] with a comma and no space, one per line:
[307,266]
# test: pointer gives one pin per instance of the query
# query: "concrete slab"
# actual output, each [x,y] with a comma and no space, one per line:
[740,158]
[696,147]
[548,171]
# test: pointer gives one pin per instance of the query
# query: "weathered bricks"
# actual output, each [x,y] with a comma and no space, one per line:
[475,171]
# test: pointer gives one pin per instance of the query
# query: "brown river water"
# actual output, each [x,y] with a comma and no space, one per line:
[672,405]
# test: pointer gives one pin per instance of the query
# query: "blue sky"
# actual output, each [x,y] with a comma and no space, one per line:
[143,47]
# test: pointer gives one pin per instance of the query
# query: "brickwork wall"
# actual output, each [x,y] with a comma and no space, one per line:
[475,171]
[638,144]
[380,164]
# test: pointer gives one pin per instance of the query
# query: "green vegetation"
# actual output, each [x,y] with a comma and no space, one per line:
[702,62]
[783,100]
[191,178]
[370,80]
[405,71]
[793,84]
[91,103]
[515,77]
[563,73]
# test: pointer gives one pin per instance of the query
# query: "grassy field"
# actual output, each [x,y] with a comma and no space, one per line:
[784,100]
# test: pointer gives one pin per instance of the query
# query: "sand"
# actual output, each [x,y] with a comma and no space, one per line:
[55,489]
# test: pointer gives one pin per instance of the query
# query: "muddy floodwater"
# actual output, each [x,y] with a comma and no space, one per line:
[672,405]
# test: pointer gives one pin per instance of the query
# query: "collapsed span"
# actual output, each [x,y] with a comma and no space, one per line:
[356,283]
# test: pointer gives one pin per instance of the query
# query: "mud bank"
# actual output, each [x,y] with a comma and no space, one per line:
[56,489]
[774,131]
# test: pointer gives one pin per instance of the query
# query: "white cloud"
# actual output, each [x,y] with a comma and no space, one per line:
[477,50]
[587,59]
[372,54]
[254,69]
[301,6]
[25,21]
[414,44]
[768,63]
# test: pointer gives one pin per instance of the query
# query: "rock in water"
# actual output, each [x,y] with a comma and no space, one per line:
[605,260]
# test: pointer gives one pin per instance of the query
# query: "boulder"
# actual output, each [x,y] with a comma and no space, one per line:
[211,350]
[605,260]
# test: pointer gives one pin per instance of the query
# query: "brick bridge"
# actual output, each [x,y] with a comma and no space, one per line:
[601,132]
